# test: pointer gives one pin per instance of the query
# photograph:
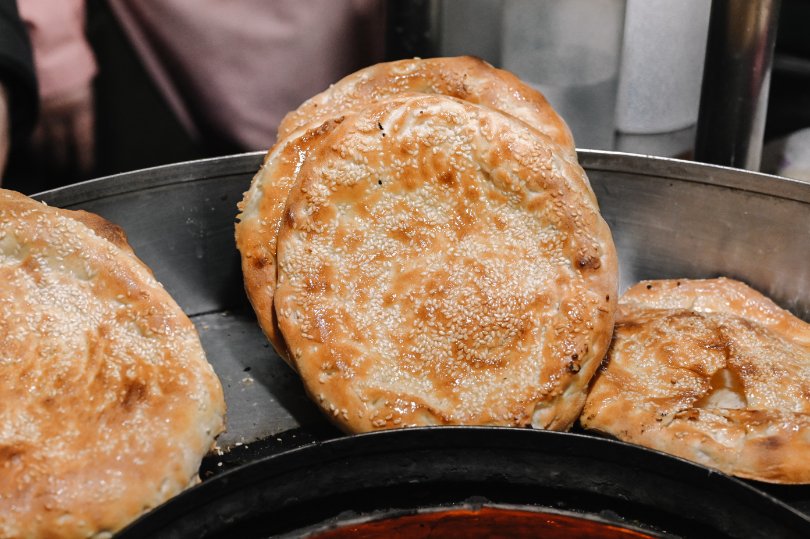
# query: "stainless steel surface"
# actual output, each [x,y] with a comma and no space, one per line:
[736,79]
[669,219]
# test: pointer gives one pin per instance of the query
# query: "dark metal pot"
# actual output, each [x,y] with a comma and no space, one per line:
[320,486]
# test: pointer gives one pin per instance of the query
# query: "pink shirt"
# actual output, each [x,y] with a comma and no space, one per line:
[231,69]
[62,57]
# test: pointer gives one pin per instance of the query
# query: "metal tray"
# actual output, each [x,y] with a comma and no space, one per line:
[392,473]
[669,219]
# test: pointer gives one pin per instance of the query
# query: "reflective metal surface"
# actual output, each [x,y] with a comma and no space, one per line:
[669,219]
[736,80]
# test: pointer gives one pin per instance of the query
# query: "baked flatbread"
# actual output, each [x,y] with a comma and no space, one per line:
[257,227]
[262,209]
[442,263]
[107,403]
[711,371]
[463,77]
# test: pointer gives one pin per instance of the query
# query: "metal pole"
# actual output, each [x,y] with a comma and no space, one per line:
[736,79]
[412,28]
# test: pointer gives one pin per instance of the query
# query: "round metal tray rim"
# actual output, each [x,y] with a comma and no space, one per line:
[148,178]
[660,168]
[668,168]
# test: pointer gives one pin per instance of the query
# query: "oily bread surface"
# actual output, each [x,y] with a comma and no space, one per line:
[107,402]
[441,263]
[262,209]
[712,371]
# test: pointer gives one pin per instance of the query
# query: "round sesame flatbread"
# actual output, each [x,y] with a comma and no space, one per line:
[463,77]
[711,371]
[262,209]
[107,402]
[442,263]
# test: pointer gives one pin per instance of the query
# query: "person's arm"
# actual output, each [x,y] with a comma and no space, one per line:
[65,67]
[18,102]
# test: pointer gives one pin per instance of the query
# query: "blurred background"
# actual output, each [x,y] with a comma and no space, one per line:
[125,84]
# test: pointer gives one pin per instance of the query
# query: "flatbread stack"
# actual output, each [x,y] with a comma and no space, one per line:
[430,260]
[465,77]
[712,371]
[107,402]
[262,209]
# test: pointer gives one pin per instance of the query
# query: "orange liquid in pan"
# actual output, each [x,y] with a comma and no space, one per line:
[487,522]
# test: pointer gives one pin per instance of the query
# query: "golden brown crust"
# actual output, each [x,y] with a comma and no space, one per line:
[262,209]
[463,77]
[442,263]
[102,227]
[260,218]
[712,371]
[107,402]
